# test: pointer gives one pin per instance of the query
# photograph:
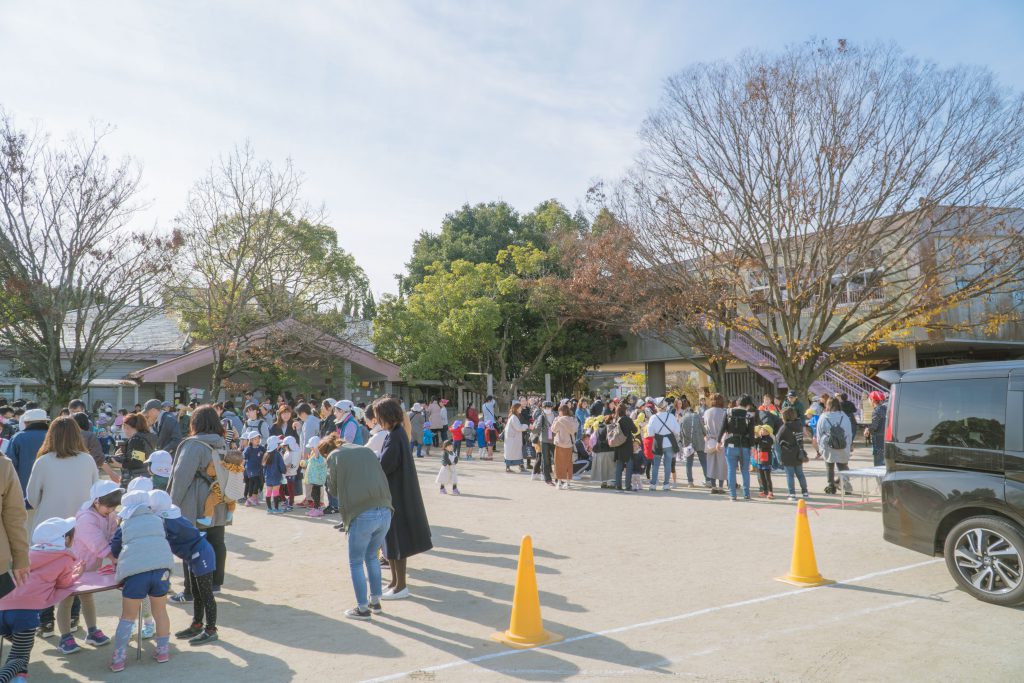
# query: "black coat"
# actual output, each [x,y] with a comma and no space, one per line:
[624,451]
[791,443]
[410,531]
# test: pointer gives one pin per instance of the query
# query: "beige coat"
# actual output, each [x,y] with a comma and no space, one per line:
[13,532]
[57,487]
[563,429]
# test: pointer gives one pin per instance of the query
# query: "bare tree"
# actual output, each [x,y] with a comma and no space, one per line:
[255,253]
[76,278]
[848,194]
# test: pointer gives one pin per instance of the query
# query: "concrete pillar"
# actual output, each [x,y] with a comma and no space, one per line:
[136,388]
[490,384]
[460,403]
[120,402]
[388,388]
[346,381]
[17,391]
[908,357]
[547,387]
[169,391]
[656,379]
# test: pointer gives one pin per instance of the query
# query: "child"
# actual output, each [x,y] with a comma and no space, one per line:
[428,436]
[316,469]
[232,463]
[160,465]
[811,422]
[95,524]
[253,457]
[273,475]
[291,455]
[763,443]
[189,544]
[468,438]
[51,580]
[456,438]
[144,564]
[491,438]
[447,473]
[481,439]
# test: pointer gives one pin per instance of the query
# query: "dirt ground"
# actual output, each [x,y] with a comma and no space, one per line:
[642,586]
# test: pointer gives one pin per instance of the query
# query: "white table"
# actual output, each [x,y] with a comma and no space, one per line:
[865,475]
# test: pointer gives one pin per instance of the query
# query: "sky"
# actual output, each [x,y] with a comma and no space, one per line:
[398,113]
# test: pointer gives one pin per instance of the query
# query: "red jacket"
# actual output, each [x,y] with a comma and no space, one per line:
[50,580]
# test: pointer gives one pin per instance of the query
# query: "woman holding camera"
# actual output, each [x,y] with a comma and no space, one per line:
[139,443]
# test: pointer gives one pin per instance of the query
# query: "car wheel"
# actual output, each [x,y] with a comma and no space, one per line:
[986,557]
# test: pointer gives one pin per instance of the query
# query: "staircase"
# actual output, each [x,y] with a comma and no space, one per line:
[840,379]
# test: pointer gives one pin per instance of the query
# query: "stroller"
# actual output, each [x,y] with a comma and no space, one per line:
[581,462]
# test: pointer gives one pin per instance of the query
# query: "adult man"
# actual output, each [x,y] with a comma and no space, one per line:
[162,423]
[310,425]
[597,407]
[26,443]
[542,430]
[488,409]
[355,477]
[876,430]
[792,401]
[848,407]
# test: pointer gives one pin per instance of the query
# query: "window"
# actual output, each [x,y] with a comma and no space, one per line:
[962,413]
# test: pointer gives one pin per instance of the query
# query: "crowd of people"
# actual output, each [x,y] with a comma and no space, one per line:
[125,494]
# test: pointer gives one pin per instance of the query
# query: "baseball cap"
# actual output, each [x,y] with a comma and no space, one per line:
[50,534]
[548,404]
[160,463]
[152,403]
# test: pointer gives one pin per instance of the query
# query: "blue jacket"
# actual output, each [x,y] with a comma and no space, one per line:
[273,471]
[189,544]
[23,450]
[254,460]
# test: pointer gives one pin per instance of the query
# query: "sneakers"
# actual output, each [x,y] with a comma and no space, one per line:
[455,491]
[205,521]
[204,637]
[791,498]
[806,495]
[118,660]
[376,608]
[96,638]
[762,495]
[148,630]
[771,496]
[390,594]
[75,626]
[190,632]
[45,630]
[665,487]
[181,598]
[162,654]
[356,613]
[68,645]
[443,492]
[316,512]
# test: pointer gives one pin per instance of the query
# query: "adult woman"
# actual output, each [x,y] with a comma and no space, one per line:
[513,438]
[791,448]
[140,442]
[253,422]
[184,419]
[737,436]
[190,485]
[664,427]
[377,434]
[624,451]
[62,476]
[409,533]
[416,420]
[563,432]
[692,435]
[284,424]
[835,449]
[434,418]
[13,532]
[718,468]
[602,467]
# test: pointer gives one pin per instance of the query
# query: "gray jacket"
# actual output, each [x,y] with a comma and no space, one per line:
[542,426]
[187,488]
[168,432]
[691,429]
[144,545]
[416,421]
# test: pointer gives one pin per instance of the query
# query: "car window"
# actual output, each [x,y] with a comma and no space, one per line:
[964,413]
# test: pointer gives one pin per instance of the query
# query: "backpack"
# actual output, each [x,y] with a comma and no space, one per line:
[363,434]
[835,439]
[738,425]
[616,437]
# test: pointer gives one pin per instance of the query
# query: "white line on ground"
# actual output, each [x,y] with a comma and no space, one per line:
[645,624]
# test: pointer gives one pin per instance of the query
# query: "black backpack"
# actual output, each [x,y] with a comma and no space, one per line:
[738,425]
[835,439]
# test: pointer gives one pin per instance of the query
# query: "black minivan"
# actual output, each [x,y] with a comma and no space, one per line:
[954,485]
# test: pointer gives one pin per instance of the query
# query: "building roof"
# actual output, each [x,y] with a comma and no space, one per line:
[158,334]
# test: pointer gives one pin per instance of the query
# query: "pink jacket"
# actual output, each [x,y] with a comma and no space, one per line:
[93,532]
[50,580]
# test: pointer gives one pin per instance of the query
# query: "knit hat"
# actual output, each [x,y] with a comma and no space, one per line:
[132,503]
[140,484]
[50,534]
[273,442]
[161,505]
[98,490]
[160,463]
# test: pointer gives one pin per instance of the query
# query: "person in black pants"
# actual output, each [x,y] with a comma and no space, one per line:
[624,451]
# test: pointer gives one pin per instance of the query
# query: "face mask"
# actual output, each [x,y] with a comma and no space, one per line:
[547,411]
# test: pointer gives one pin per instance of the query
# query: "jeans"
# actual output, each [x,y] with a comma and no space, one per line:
[738,455]
[419,448]
[878,449]
[776,457]
[664,459]
[798,473]
[547,453]
[365,537]
[628,467]
[703,466]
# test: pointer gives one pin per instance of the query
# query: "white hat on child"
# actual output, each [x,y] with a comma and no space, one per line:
[160,503]
[140,484]
[50,534]
[273,442]
[132,503]
[291,443]
[160,463]
[98,490]
[313,442]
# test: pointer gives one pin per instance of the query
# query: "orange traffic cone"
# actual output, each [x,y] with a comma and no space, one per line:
[803,570]
[526,629]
